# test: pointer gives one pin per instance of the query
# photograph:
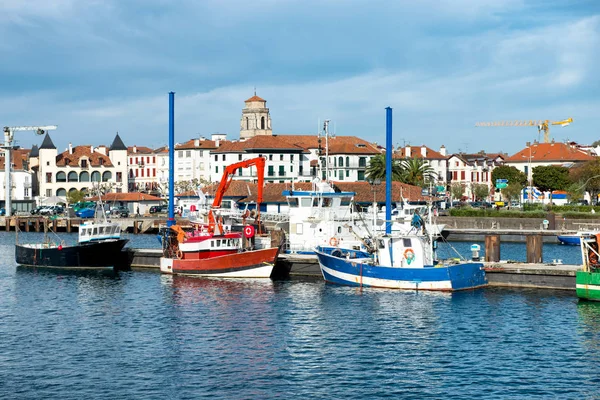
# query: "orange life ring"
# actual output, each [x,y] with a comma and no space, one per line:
[179,254]
[333,242]
[409,254]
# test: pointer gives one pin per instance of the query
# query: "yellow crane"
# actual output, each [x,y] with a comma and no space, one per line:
[543,125]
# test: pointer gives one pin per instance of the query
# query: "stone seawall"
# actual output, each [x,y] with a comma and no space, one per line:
[491,223]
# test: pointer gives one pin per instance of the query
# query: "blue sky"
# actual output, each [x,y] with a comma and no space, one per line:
[98,67]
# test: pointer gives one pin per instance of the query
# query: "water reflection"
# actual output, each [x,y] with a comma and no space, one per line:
[589,325]
[73,272]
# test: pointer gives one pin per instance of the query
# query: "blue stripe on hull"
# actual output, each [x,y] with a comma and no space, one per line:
[569,239]
[450,278]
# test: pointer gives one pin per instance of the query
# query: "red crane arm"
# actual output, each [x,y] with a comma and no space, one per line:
[228,173]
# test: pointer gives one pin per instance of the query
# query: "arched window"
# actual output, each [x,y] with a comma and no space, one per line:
[341,161]
[61,177]
[61,192]
[95,176]
[347,162]
[72,190]
[72,176]
[106,176]
[247,123]
[262,122]
[84,176]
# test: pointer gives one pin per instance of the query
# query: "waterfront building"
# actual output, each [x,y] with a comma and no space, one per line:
[22,188]
[192,158]
[142,170]
[437,160]
[80,168]
[473,169]
[297,158]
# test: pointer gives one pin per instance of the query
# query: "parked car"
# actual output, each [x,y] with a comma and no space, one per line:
[120,211]
[159,209]
[86,213]
[51,210]
[36,210]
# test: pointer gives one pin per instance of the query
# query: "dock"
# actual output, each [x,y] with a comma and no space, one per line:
[499,274]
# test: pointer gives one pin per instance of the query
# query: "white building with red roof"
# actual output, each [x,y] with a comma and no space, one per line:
[473,169]
[542,154]
[437,160]
[80,167]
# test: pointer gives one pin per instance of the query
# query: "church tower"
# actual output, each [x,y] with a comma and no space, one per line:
[256,119]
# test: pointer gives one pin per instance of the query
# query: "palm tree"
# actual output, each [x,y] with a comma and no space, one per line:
[376,168]
[416,171]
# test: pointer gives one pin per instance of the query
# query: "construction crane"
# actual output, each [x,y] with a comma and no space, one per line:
[8,143]
[228,173]
[541,125]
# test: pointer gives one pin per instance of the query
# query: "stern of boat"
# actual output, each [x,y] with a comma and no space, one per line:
[166,265]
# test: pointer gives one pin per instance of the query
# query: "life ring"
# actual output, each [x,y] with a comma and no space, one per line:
[409,255]
[179,254]
[337,253]
[333,242]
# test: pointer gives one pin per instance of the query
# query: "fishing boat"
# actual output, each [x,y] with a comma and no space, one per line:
[587,280]
[398,262]
[99,245]
[215,249]
[573,239]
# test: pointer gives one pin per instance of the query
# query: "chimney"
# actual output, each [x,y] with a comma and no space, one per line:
[92,148]
[424,151]
[217,142]
[196,142]
[134,148]
[443,151]
[70,148]
[407,151]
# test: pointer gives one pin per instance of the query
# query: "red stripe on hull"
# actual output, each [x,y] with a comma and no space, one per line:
[227,263]
[201,255]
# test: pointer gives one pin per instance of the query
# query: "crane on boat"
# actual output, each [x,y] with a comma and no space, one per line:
[542,125]
[226,179]
[8,143]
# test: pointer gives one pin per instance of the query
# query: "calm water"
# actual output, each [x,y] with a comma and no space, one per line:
[138,334]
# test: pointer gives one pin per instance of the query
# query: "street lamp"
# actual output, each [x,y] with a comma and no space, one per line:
[374,183]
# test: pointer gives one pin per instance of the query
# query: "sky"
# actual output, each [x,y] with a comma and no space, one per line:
[98,67]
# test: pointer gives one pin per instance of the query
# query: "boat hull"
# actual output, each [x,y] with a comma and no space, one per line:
[569,239]
[441,278]
[248,264]
[103,254]
[588,285]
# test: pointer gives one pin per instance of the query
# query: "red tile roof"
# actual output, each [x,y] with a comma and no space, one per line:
[133,196]
[254,98]
[202,144]
[139,150]
[302,143]
[551,152]
[18,157]
[415,152]
[65,158]
[364,194]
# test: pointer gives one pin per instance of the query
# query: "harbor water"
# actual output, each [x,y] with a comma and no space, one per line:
[139,334]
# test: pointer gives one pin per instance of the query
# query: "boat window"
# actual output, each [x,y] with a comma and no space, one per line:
[326,202]
[293,202]
[84,232]
[406,242]
[305,201]
[101,230]
[95,231]
[212,243]
[339,229]
[381,244]
[218,243]
[315,202]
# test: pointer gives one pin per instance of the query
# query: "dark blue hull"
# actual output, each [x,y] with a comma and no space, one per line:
[101,254]
[356,272]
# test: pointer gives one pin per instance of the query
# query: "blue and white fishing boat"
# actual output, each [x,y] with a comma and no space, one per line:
[398,262]
[574,239]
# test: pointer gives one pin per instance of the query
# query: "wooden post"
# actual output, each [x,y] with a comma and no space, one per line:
[69,225]
[492,248]
[534,248]
[27,225]
[7,220]
[54,224]
[135,227]
[37,224]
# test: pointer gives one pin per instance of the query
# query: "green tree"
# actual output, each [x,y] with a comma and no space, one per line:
[509,173]
[587,176]
[480,191]
[512,192]
[457,189]
[415,171]
[575,191]
[75,196]
[376,168]
[551,177]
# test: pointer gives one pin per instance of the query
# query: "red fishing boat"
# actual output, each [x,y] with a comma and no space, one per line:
[212,249]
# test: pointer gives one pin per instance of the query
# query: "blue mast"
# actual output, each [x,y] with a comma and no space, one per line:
[388,170]
[171,219]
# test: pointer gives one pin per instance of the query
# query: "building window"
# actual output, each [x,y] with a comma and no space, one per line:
[239,157]
[83,163]
[281,157]
[347,174]
[347,162]
[361,175]
[270,157]
[462,175]
[72,176]
[291,157]
[262,122]
[180,154]
[48,192]
[119,176]
[217,169]
[281,170]
[291,168]
[240,172]
[61,177]
[341,162]
[362,162]
[49,179]
[216,157]
[223,157]
[271,171]
[188,153]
